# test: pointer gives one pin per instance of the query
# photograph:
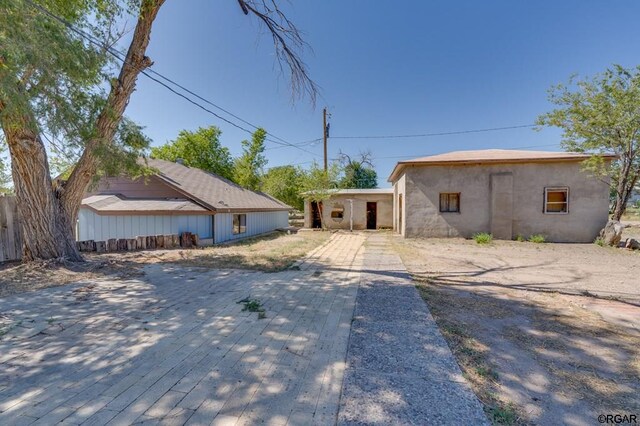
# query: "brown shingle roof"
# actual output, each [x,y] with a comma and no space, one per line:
[119,204]
[212,191]
[491,156]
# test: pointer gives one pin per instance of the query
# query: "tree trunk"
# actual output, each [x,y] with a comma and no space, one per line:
[111,115]
[627,181]
[47,232]
[48,213]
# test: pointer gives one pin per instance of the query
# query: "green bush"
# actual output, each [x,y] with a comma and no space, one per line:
[520,238]
[537,238]
[599,241]
[483,238]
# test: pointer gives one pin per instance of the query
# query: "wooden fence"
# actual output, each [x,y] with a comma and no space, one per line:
[10,233]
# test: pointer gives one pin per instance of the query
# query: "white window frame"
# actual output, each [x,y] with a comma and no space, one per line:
[555,189]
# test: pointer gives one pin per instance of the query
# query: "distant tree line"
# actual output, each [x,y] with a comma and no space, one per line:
[202,149]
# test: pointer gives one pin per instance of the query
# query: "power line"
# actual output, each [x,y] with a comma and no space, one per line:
[423,135]
[146,73]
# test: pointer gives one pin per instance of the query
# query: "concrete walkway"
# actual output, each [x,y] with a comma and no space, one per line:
[176,348]
[399,367]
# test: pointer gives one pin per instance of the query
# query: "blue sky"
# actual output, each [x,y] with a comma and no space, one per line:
[384,68]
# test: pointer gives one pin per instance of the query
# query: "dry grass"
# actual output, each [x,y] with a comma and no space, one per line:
[471,354]
[270,253]
[532,354]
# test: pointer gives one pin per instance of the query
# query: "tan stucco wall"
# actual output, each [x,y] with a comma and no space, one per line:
[516,187]
[399,189]
[384,211]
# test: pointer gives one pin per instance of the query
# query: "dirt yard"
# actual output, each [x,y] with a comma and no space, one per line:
[546,333]
[270,253]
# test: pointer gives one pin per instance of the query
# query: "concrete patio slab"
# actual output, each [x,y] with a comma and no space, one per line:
[175,347]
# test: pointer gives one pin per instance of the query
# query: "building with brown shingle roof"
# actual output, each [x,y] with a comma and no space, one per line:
[177,199]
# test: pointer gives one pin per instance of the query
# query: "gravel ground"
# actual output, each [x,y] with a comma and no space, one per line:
[399,368]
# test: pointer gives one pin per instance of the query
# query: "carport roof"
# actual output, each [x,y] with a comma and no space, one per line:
[118,204]
[487,156]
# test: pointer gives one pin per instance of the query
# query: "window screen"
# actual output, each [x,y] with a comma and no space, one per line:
[450,202]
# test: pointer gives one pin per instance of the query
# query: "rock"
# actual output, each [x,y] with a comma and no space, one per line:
[611,234]
[632,244]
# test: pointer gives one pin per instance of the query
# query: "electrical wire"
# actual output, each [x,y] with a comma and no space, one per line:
[119,56]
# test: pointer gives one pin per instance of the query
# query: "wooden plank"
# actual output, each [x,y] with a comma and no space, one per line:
[101,246]
[159,241]
[141,242]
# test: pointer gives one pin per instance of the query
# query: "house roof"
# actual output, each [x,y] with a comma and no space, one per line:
[212,191]
[117,204]
[356,191]
[490,156]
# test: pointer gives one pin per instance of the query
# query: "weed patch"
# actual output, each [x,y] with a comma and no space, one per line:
[253,305]
[538,239]
[483,238]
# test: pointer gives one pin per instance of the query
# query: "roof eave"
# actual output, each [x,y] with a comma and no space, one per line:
[569,159]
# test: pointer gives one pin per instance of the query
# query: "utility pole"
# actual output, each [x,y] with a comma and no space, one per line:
[325,135]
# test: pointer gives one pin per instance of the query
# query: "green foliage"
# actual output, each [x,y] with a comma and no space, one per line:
[316,184]
[600,115]
[52,74]
[201,149]
[284,184]
[537,238]
[520,238]
[253,305]
[503,415]
[358,173]
[248,168]
[483,238]
[599,241]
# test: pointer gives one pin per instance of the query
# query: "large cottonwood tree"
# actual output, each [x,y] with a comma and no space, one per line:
[50,78]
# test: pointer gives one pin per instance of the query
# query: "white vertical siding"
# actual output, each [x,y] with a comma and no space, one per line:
[257,223]
[92,226]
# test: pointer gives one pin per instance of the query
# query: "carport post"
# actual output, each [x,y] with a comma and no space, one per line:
[350,215]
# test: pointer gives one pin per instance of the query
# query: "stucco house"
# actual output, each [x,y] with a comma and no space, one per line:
[504,192]
[351,209]
[177,199]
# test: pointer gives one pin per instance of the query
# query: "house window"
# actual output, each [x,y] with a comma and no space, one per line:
[450,202]
[337,213]
[239,223]
[556,200]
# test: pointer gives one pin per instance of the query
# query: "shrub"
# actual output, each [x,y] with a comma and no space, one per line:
[599,242]
[520,238]
[483,238]
[537,238]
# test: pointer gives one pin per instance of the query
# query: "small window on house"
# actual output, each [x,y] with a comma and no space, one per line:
[239,223]
[556,200]
[450,202]
[337,212]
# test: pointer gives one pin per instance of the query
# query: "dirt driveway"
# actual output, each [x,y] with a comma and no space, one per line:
[535,326]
